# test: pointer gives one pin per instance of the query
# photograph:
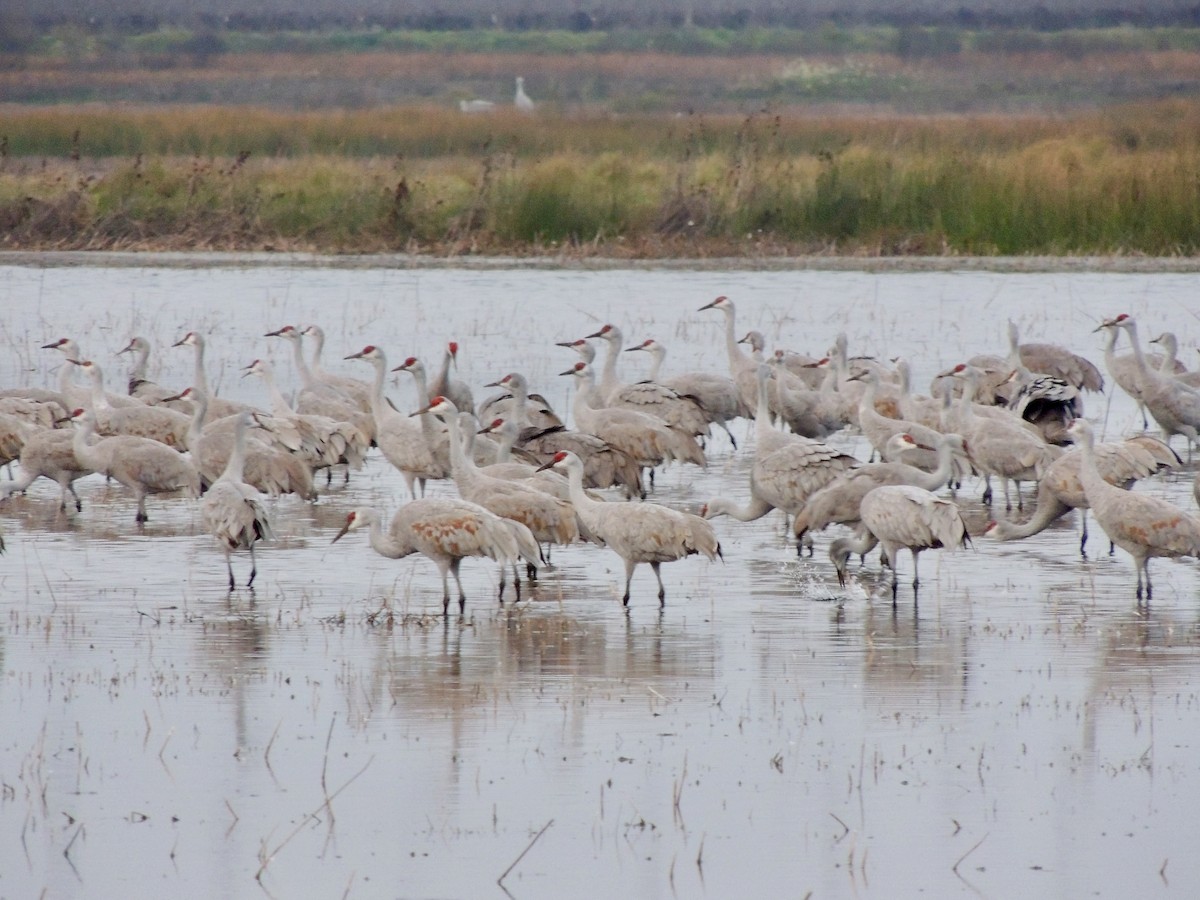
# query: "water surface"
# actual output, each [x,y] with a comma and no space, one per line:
[1024,727]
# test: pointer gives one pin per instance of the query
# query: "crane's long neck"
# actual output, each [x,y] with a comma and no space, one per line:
[656,360]
[85,452]
[318,339]
[379,405]
[235,467]
[762,414]
[584,505]
[141,362]
[1138,357]
[1049,510]
[738,360]
[580,405]
[199,378]
[866,403]
[99,398]
[387,543]
[1094,485]
[279,403]
[462,467]
[1014,346]
[1170,354]
[306,376]
[506,439]
[443,375]
[931,481]
[608,377]
[418,374]
[753,509]
[199,411]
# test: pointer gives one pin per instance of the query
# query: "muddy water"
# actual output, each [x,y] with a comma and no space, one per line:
[1023,728]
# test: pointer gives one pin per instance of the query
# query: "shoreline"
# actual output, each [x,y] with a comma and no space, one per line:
[224,259]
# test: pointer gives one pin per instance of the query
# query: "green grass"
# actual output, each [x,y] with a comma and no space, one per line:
[1123,181]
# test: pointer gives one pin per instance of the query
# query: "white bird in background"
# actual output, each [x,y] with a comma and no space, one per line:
[476,106]
[446,531]
[233,511]
[901,516]
[1141,525]
[638,532]
[520,99]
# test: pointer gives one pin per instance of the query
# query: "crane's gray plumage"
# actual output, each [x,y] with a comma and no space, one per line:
[143,465]
[49,454]
[638,532]
[901,517]
[233,511]
[446,531]
[1141,525]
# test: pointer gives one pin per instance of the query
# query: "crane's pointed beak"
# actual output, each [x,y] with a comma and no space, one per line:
[544,466]
[341,534]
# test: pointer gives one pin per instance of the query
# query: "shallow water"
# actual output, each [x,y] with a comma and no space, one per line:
[1024,727]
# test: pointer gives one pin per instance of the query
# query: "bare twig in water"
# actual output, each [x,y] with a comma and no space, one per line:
[504,874]
[67,852]
[268,856]
[845,827]
[236,819]
[954,868]
[267,752]
[1162,873]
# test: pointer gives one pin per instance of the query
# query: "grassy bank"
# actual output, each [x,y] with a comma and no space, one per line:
[1123,181]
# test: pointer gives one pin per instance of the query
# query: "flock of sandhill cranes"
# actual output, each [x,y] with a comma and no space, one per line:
[526,482]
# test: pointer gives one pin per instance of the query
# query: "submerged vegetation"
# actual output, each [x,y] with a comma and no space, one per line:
[1121,181]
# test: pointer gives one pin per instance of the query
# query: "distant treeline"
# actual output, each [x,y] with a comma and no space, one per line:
[140,16]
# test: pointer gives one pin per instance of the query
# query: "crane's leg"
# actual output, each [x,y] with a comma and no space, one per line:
[630,565]
[253,568]
[1083,513]
[517,580]
[444,568]
[987,490]
[1020,502]
[229,566]
[141,509]
[662,591]
[462,595]
[916,578]
[732,439]
[503,580]
[1146,569]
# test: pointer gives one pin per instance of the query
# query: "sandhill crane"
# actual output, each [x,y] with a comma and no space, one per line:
[647,439]
[683,413]
[806,411]
[143,465]
[550,519]
[446,531]
[1170,365]
[40,411]
[218,408]
[401,439]
[155,422]
[140,386]
[324,441]
[443,385]
[507,432]
[1001,448]
[742,367]
[1120,463]
[233,511]
[901,516]
[1047,401]
[48,454]
[355,389]
[638,532]
[1141,525]
[1124,369]
[269,467]
[840,501]
[914,407]
[520,99]
[879,429]
[604,465]
[71,394]
[787,470]
[1051,359]
[718,395]
[1172,404]
[515,404]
